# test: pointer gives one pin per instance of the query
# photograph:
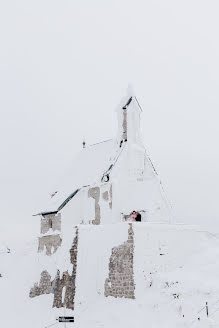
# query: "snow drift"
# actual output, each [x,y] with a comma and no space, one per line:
[175,272]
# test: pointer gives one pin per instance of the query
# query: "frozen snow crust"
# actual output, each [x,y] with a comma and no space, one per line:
[175,272]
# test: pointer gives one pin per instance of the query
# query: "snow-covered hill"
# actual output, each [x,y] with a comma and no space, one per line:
[175,272]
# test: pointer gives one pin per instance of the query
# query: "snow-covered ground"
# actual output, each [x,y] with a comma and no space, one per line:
[175,271]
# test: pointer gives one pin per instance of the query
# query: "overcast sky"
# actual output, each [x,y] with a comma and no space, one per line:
[64,65]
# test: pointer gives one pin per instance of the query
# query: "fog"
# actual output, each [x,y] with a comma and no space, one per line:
[64,66]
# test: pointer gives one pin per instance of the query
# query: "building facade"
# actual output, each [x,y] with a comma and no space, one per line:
[107,181]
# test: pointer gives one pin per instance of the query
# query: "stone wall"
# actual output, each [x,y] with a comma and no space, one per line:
[120,282]
[44,286]
[67,281]
[50,221]
[50,243]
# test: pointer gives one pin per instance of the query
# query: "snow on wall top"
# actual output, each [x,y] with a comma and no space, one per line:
[87,169]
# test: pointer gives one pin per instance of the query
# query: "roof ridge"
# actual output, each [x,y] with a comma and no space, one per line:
[97,143]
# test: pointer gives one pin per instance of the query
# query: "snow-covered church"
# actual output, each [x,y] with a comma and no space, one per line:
[109,180]
[97,270]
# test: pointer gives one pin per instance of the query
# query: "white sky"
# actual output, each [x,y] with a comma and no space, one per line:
[64,65]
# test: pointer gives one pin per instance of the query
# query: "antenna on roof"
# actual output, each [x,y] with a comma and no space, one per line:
[84,144]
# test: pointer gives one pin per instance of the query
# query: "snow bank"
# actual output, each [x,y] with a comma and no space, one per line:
[175,272]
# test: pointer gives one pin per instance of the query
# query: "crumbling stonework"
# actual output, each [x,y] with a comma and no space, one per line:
[59,284]
[50,243]
[95,193]
[120,282]
[67,281]
[44,287]
[50,221]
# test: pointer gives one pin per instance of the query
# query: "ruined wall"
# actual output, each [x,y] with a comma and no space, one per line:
[50,221]
[91,263]
[49,243]
[120,282]
[67,281]
[44,286]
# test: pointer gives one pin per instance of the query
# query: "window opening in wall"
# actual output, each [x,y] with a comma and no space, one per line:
[50,223]
[63,294]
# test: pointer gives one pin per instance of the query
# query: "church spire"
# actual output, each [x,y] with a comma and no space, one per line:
[129,112]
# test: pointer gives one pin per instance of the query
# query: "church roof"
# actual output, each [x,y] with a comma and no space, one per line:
[90,166]
[87,169]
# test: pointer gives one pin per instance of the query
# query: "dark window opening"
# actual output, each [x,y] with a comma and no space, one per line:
[50,223]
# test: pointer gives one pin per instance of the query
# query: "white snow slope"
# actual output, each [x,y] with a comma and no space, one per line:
[176,270]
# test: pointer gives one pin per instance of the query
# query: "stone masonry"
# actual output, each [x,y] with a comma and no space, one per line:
[95,193]
[50,221]
[44,286]
[50,243]
[120,282]
[67,281]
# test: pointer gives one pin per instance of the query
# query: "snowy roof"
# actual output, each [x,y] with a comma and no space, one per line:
[87,169]
[126,101]
[89,165]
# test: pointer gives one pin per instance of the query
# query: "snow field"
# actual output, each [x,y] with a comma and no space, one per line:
[175,272]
